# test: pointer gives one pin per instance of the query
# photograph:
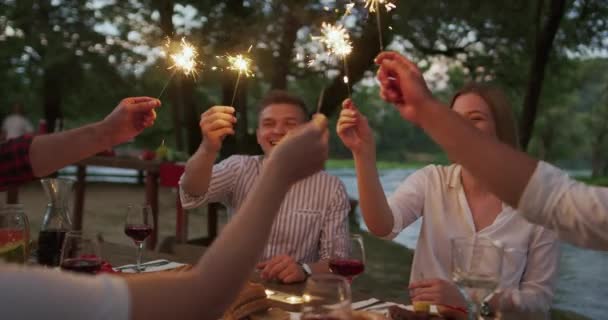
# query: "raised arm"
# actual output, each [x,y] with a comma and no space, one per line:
[505,170]
[216,123]
[542,193]
[354,131]
[51,152]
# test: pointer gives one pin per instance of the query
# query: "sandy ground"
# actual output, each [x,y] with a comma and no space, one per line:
[105,206]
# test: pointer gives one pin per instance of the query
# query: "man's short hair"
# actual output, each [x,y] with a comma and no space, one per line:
[283,97]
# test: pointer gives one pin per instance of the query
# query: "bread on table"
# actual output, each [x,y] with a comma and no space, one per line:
[251,299]
[397,313]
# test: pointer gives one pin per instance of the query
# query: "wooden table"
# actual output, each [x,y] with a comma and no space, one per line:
[297,289]
[119,255]
[150,167]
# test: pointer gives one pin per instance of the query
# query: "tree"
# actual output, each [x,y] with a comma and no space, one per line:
[493,40]
[56,48]
[593,95]
[545,33]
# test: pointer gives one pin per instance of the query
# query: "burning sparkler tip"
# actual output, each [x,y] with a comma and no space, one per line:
[185,59]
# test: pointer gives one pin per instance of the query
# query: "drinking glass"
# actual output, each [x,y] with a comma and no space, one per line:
[476,269]
[326,297]
[348,257]
[14,234]
[138,226]
[80,253]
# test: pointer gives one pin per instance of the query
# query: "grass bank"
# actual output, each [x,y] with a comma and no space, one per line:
[349,164]
[598,181]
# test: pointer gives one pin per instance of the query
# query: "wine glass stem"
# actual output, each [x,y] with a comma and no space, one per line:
[140,247]
[473,310]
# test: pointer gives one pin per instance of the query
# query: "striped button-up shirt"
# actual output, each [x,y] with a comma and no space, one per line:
[312,219]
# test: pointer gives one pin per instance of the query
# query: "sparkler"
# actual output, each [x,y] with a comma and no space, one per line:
[242,64]
[184,60]
[349,8]
[337,41]
[320,101]
[374,6]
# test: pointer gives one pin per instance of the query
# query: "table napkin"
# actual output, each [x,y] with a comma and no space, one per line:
[167,265]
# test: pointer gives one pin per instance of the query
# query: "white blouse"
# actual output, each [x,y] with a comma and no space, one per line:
[37,293]
[530,264]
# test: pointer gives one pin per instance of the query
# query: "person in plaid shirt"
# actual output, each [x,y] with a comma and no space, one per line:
[15,161]
[26,157]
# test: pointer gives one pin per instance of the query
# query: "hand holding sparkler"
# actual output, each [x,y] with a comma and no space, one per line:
[129,118]
[354,130]
[216,123]
[408,92]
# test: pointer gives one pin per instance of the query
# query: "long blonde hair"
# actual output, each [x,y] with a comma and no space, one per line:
[499,105]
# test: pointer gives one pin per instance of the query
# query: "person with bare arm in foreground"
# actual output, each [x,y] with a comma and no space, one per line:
[198,294]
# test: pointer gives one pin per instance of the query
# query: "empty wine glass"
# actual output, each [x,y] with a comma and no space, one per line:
[326,297]
[14,234]
[80,253]
[138,226]
[476,269]
[348,257]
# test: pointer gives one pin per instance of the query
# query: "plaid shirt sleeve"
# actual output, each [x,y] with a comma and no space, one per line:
[15,166]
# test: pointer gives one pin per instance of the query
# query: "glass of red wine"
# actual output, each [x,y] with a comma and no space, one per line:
[326,297]
[138,226]
[348,257]
[80,253]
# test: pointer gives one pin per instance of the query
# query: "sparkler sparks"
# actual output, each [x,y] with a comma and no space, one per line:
[241,64]
[349,8]
[185,59]
[336,39]
[373,5]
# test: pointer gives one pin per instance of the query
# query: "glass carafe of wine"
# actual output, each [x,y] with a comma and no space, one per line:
[56,222]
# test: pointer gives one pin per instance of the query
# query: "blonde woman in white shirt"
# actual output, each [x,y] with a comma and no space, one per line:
[542,193]
[454,204]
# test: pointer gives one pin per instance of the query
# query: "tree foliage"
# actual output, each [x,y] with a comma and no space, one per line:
[75,59]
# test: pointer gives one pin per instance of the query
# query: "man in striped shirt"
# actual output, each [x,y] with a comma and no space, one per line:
[313,218]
